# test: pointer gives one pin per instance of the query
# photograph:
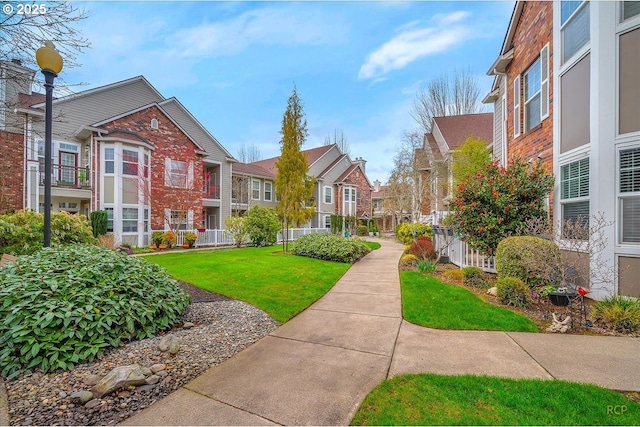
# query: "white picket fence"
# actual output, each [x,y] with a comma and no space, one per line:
[461,254]
[223,238]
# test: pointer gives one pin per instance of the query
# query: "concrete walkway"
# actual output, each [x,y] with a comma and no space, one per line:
[317,368]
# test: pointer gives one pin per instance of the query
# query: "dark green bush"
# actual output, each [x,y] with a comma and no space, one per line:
[98,223]
[407,232]
[531,259]
[64,305]
[362,230]
[262,226]
[619,313]
[22,232]
[474,277]
[330,247]
[513,291]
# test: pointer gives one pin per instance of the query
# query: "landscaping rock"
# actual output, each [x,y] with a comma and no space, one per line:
[492,291]
[153,379]
[165,342]
[81,396]
[121,376]
[174,347]
[157,368]
[92,403]
[92,379]
[188,325]
[145,371]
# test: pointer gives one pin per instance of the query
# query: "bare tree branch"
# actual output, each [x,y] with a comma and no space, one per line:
[340,140]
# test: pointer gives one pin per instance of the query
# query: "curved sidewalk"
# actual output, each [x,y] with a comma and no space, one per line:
[317,368]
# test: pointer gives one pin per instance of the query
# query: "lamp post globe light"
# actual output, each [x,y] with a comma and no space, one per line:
[50,63]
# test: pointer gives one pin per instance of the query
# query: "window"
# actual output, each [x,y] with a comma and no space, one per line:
[268,188]
[536,91]
[177,173]
[328,195]
[516,107]
[255,189]
[630,195]
[109,219]
[327,221]
[146,166]
[574,17]
[630,9]
[154,123]
[129,162]
[178,219]
[575,105]
[108,160]
[629,83]
[129,220]
[574,192]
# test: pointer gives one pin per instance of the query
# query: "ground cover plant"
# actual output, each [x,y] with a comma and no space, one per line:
[65,305]
[281,284]
[330,247]
[622,314]
[426,301]
[429,399]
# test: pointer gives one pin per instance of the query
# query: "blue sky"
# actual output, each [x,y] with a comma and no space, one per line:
[356,65]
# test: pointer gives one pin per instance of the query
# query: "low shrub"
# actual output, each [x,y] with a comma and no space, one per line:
[531,259]
[474,277]
[22,232]
[169,238]
[423,248]
[513,291]
[362,230]
[619,313]
[107,241]
[330,247]
[262,226]
[99,223]
[454,275]
[408,260]
[64,305]
[156,237]
[407,232]
[427,265]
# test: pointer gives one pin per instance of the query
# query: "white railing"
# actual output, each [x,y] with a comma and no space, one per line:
[222,238]
[461,254]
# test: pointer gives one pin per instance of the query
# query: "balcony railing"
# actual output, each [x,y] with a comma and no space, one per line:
[211,191]
[67,176]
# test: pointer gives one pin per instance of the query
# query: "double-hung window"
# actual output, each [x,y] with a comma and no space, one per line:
[630,9]
[129,220]
[268,190]
[574,194]
[178,173]
[534,94]
[328,194]
[109,155]
[630,195]
[255,189]
[129,162]
[574,27]
[109,212]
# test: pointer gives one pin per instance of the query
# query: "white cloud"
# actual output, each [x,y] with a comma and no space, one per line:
[412,44]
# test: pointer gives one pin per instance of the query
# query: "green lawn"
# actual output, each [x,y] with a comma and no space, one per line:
[426,301]
[429,399]
[372,245]
[281,284]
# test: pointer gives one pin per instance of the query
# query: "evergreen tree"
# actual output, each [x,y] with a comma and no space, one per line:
[294,188]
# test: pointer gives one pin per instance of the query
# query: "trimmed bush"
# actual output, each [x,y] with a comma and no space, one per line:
[423,248]
[330,247]
[262,226]
[407,232]
[474,277]
[619,313]
[513,291]
[22,233]
[64,305]
[533,260]
[98,223]
[408,260]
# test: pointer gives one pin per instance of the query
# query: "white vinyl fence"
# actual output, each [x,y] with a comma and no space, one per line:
[222,238]
[460,253]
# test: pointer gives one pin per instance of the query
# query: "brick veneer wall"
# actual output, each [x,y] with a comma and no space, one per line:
[12,169]
[169,142]
[358,179]
[534,30]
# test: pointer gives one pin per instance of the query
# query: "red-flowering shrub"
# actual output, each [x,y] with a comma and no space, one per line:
[423,248]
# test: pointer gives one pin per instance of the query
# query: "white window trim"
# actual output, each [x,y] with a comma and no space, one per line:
[324,219]
[265,191]
[620,196]
[516,106]
[324,194]
[167,173]
[580,52]
[253,181]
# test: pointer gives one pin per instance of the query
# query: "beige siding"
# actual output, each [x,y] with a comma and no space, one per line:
[322,163]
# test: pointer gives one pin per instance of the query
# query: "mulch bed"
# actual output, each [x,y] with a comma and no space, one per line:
[201,295]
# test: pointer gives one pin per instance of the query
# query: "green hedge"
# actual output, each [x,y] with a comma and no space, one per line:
[533,260]
[330,247]
[64,305]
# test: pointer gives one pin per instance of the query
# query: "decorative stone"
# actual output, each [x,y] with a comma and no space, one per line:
[158,367]
[62,394]
[123,393]
[153,379]
[145,371]
[92,379]
[122,376]
[145,388]
[165,342]
[81,396]
[92,404]
[560,326]
[492,291]
[174,347]
[162,374]
[188,325]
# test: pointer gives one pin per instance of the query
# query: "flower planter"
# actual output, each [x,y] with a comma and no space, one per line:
[561,299]
[163,246]
[201,230]
[186,245]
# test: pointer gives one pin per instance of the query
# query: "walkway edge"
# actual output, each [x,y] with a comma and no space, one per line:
[4,405]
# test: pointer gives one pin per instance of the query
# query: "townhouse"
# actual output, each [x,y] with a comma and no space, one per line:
[566,91]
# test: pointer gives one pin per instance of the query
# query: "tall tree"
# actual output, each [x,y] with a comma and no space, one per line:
[340,140]
[249,153]
[445,96]
[407,188]
[294,188]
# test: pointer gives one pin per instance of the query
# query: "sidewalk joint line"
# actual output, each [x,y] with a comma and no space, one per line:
[530,355]
[331,346]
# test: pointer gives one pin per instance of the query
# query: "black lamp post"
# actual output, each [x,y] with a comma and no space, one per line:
[50,63]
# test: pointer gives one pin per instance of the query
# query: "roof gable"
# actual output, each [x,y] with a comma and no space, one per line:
[456,129]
